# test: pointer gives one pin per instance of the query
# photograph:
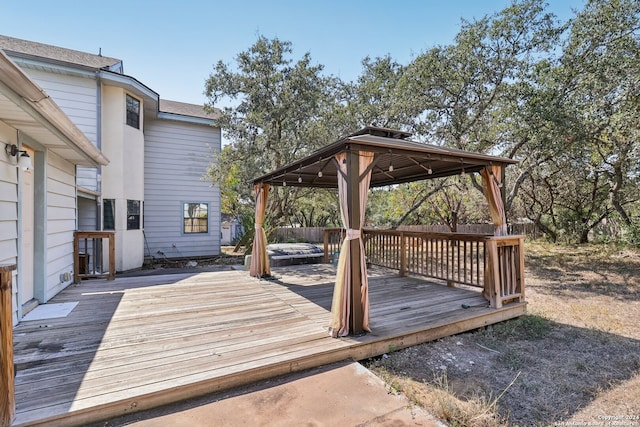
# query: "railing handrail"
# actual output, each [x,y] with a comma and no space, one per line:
[495,263]
[510,239]
[95,236]
[446,236]
[92,234]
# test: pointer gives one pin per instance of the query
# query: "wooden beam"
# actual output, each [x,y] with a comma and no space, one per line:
[7,385]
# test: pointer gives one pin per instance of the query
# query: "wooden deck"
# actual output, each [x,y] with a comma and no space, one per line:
[139,342]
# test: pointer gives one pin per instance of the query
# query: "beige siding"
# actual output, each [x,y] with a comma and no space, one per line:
[123,179]
[61,222]
[8,209]
[77,98]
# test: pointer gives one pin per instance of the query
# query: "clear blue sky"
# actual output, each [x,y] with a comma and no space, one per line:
[171,46]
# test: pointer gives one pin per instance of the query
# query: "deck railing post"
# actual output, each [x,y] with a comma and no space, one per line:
[7,384]
[326,246]
[521,266]
[76,258]
[492,274]
[112,256]
[403,254]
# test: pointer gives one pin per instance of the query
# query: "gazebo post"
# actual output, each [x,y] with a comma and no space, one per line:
[353,199]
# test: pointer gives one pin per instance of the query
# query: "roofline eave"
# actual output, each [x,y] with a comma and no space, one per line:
[28,96]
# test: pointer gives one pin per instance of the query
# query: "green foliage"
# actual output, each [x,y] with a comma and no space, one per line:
[562,98]
[276,119]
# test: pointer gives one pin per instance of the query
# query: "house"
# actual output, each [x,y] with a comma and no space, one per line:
[231,229]
[38,213]
[150,192]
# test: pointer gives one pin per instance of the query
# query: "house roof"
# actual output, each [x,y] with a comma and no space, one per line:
[185,109]
[27,108]
[397,160]
[112,71]
[26,48]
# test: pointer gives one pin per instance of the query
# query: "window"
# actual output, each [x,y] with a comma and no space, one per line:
[195,218]
[133,112]
[109,213]
[133,214]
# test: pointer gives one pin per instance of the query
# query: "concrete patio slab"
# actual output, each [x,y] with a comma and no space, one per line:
[344,394]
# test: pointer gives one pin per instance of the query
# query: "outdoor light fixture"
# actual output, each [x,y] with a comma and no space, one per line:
[284,183]
[390,161]
[23,160]
[299,179]
[319,174]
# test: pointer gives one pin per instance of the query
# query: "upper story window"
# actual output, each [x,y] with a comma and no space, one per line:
[133,112]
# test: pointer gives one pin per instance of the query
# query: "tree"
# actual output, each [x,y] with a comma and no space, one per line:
[602,65]
[459,89]
[376,97]
[469,94]
[276,117]
[584,122]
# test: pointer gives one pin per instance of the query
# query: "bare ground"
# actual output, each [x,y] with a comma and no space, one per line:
[573,360]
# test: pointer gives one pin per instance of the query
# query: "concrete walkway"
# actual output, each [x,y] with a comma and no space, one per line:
[345,394]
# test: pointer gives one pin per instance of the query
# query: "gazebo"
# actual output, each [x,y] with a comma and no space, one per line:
[375,157]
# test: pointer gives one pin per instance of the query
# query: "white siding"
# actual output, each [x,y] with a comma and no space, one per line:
[61,222]
[87,178]
[9,210]
[87,213]
[176,159]
[77,98]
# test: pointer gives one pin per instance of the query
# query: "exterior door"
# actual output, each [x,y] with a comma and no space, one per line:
[27,237]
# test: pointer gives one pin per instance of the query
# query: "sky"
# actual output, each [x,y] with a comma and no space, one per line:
[172,46]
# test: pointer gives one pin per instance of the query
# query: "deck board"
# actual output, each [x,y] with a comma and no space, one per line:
[137,342]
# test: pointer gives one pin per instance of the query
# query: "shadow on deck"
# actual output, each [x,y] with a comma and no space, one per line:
[136,343]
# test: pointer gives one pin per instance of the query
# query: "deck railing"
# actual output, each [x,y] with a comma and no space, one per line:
[88,255]
[7,371]
[495,264]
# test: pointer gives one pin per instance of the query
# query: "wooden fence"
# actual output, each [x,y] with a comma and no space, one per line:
[495,264]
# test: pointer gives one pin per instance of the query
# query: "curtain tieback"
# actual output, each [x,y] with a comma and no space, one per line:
[353,234]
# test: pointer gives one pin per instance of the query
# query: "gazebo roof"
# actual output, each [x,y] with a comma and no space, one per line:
[398,160]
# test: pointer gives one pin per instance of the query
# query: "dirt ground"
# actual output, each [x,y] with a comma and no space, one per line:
[574,359]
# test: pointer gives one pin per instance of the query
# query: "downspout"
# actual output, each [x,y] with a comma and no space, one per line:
[19,272]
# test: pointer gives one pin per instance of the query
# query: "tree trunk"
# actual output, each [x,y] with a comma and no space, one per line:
[584,236]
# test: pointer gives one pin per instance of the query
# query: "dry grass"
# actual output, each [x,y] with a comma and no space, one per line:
[574,357]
